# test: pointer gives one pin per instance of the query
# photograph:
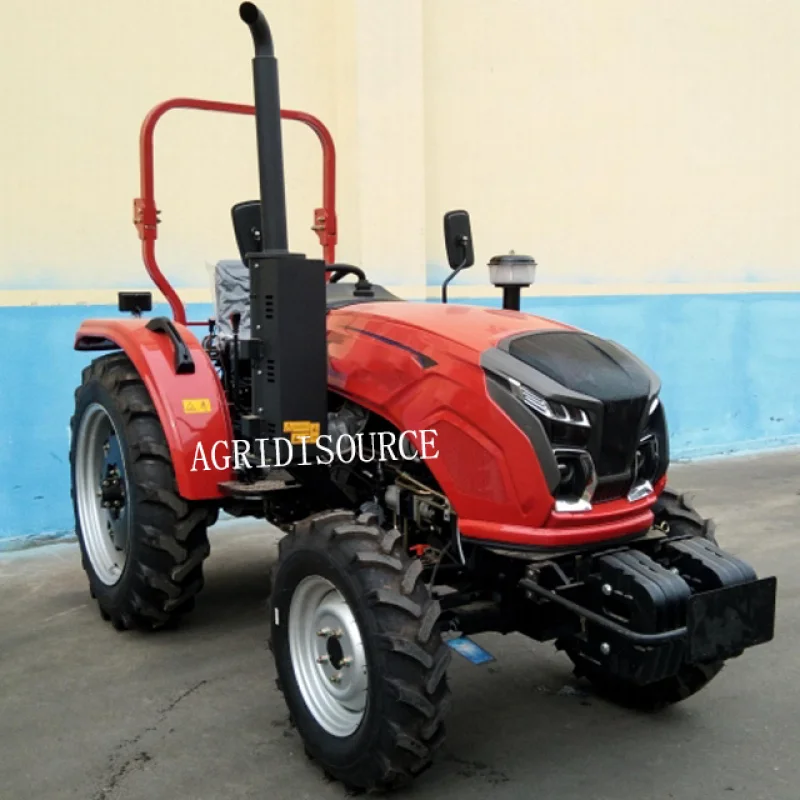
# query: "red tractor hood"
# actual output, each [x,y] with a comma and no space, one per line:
[418,366]
[473,327]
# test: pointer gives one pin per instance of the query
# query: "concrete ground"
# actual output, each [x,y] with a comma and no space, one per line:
[92,714]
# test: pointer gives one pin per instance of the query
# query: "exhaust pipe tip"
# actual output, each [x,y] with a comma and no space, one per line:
[252,16]
[249,12]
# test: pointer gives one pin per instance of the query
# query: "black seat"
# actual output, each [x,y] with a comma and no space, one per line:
[247,229]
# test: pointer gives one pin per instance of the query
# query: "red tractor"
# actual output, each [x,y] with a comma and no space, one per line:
[438,471]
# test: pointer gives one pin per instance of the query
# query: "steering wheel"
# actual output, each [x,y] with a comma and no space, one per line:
[338,271]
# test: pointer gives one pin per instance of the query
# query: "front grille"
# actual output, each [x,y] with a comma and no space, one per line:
[620,436]
[611,490]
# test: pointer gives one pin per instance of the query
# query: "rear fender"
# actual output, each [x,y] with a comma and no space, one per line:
[191,405]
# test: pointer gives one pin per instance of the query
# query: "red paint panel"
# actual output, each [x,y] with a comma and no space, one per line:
[434,327]
[556,537]
[153,356]
[486,465]
[418,366]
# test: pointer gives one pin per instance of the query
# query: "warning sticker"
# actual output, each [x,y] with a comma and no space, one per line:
[302,430]
[200,405]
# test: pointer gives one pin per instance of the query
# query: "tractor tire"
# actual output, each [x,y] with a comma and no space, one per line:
[345,588]
[678,513]
[142,545]
[675,513]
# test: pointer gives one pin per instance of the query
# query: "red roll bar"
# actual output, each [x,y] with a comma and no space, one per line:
[146,215]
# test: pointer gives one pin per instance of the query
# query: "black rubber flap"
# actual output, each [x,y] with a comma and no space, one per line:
[724,622]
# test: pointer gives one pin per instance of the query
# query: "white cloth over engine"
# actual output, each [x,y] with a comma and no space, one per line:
[232,295]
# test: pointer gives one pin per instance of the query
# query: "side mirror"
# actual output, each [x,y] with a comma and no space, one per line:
[458,240]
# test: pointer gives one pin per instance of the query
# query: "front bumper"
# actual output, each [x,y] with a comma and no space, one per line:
[642,616]
[606,522]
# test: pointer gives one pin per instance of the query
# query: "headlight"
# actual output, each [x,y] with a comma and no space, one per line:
[558,412]
[650,460]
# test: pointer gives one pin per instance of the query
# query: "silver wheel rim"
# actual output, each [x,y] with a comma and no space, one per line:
[101,491]
[327,654]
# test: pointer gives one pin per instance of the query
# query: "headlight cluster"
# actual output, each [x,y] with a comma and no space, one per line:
[599,453]
[558,412]
[569,430]
[649,463]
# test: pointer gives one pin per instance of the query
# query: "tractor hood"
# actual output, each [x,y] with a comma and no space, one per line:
[571,392]
[474,327]
[558,358]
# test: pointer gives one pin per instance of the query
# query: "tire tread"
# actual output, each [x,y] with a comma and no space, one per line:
[414,659]
[171,533]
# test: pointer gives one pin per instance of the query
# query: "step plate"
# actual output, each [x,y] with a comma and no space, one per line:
[724,622]
[254,489]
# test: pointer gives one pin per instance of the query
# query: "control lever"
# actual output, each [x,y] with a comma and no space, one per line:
[235,319]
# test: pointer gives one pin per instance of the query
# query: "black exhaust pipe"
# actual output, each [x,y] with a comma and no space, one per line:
[268,132]
[287,346]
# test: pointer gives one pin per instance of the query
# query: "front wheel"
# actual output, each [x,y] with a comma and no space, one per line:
[358,651]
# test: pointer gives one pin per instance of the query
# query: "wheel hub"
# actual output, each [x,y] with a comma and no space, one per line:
[328,656]
[112,491]
[101,493]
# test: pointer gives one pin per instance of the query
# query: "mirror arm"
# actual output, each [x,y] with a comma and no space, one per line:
[450,277]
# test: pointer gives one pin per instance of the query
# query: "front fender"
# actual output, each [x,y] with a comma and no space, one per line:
[191,406]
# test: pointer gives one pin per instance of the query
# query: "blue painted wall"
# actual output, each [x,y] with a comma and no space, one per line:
[730,365]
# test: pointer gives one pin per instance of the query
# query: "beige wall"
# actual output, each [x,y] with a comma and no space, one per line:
[79,78]
[627,141]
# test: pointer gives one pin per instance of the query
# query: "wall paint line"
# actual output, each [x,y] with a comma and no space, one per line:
[619,289]
[15,298]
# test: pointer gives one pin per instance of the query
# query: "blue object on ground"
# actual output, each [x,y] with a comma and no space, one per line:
[472,651]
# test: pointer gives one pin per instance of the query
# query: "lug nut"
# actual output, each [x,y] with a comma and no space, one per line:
[322,659]
[605,648]
[607,589]
[336,678]
[347,661]
[324,632]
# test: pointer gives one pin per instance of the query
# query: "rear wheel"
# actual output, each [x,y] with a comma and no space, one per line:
[358,651]
[675,513]
[142,545]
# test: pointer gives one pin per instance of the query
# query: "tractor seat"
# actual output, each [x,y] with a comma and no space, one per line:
[232,296]
[232,280]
